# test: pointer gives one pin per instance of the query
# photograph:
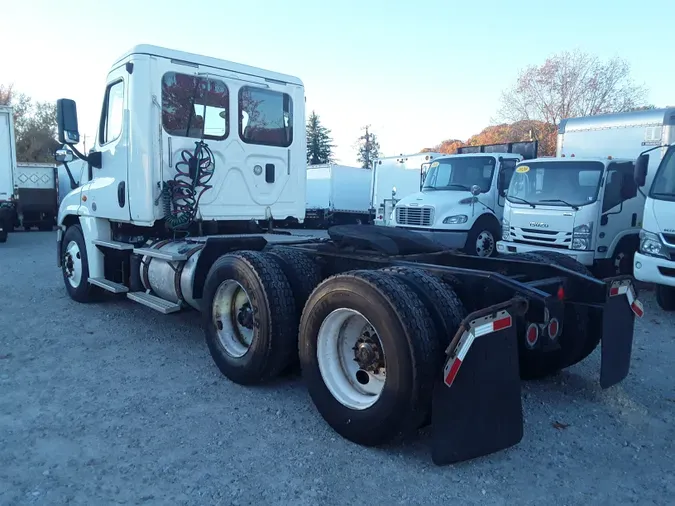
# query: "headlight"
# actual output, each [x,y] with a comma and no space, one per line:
[650,244]
[581,237]
[506,230]
[456,220]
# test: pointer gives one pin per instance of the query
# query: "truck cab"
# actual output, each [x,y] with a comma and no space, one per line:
[461,204]
[655,260]
[583,207]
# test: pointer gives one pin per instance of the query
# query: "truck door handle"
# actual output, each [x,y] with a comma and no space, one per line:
[121,193]
[269,173]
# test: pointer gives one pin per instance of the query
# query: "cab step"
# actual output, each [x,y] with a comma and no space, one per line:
[108,285]
[121,246]
[153,302]
[161,255]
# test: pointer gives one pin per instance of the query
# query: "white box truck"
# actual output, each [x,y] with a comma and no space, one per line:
[584,203]
[396,177]
[460,204]
[391,332]
[36,199]
[655,260]
[7,169]
[337,194]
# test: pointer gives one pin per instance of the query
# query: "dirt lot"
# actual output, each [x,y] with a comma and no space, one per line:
[113,403]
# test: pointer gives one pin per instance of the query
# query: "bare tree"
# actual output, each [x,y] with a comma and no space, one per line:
[571,84]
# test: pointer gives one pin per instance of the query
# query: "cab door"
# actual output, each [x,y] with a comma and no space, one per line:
[107,192]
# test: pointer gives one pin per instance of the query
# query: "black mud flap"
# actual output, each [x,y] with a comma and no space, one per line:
[618,320]
[481,411]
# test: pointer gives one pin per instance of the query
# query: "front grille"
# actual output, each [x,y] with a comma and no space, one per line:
[549,238]
[420,216]
[670,238]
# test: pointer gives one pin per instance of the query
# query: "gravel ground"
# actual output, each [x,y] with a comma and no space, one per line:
[113,403]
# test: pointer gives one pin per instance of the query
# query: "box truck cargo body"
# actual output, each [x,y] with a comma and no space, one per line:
[337,194]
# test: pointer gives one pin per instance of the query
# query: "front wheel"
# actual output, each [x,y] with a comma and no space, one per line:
[482,239]
[75,266]
[369,356]
[665,297]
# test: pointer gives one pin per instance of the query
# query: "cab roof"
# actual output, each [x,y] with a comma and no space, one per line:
[207,61]
[564,159]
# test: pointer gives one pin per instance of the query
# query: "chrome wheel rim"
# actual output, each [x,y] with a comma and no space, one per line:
[233,318]
[72,264]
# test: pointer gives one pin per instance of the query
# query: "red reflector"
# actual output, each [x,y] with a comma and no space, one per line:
[452,373]
[553,328]
[532,334]
[504,323]
[561,293]
[637,308]
[614,291]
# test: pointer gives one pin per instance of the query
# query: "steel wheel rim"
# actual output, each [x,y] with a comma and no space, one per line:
[233,318]
[73,264]
[485,244]
[344,337]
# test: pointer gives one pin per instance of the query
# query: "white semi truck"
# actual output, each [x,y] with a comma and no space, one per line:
[390,329]
[337,194]
[461,203]
[655,260]
[396,177]
[584,203]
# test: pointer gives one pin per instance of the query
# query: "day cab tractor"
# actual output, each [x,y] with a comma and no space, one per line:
[194,159]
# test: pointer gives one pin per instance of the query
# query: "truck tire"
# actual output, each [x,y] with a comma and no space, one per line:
[301,271]
[375,317]
[483,237]
[75,267]
[249,317]
[665,297]
[3,234]
[576,341]
[445,308]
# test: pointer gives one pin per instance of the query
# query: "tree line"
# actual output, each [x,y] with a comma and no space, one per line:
[567,85]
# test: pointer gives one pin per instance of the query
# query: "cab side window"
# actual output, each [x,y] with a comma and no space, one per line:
[110,128]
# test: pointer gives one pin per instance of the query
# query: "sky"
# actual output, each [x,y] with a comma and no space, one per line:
[417,71]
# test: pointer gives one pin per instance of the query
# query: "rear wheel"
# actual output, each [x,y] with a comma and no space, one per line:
[665,297]
[369,355]
[249,317]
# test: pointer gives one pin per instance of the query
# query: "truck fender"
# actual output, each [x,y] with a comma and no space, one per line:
[214,248]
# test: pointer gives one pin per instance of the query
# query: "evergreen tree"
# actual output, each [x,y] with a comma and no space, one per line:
[368,147]
[319,142]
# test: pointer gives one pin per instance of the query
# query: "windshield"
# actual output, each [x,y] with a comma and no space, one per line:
[555,183]
[460,173]
[663,187]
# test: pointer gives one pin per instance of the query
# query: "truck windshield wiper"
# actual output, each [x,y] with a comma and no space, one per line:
[522,200]
[575,207]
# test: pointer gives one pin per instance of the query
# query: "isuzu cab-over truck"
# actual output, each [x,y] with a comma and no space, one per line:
[584,203]
[460,204]
[194,155]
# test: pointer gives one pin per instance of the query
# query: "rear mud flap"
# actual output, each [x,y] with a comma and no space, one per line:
[481,411]
[618,321]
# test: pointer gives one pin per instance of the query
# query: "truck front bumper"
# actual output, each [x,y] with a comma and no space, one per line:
[655,270]
[508,248]
[452,239]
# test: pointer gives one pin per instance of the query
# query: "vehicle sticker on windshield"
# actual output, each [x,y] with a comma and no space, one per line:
[522,169]
[434,164]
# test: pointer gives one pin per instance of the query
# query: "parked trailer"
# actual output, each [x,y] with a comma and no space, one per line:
[337,194]
[392,331]
[7,168]
[394,178]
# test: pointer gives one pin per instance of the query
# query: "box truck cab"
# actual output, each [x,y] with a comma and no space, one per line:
[655,261]
[561,204]
[584,207]
[396,177]
[460,204]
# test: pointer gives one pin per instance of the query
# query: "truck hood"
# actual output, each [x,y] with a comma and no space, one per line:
[443,203]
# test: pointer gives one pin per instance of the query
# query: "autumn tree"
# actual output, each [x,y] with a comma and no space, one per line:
[319,141]
[571,84]
[368,148]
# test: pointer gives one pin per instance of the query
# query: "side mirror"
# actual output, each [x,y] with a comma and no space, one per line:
[66,119]
[393,192]
[501,181]
[63,156]
[640,171]
[475,190]
[629,188]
